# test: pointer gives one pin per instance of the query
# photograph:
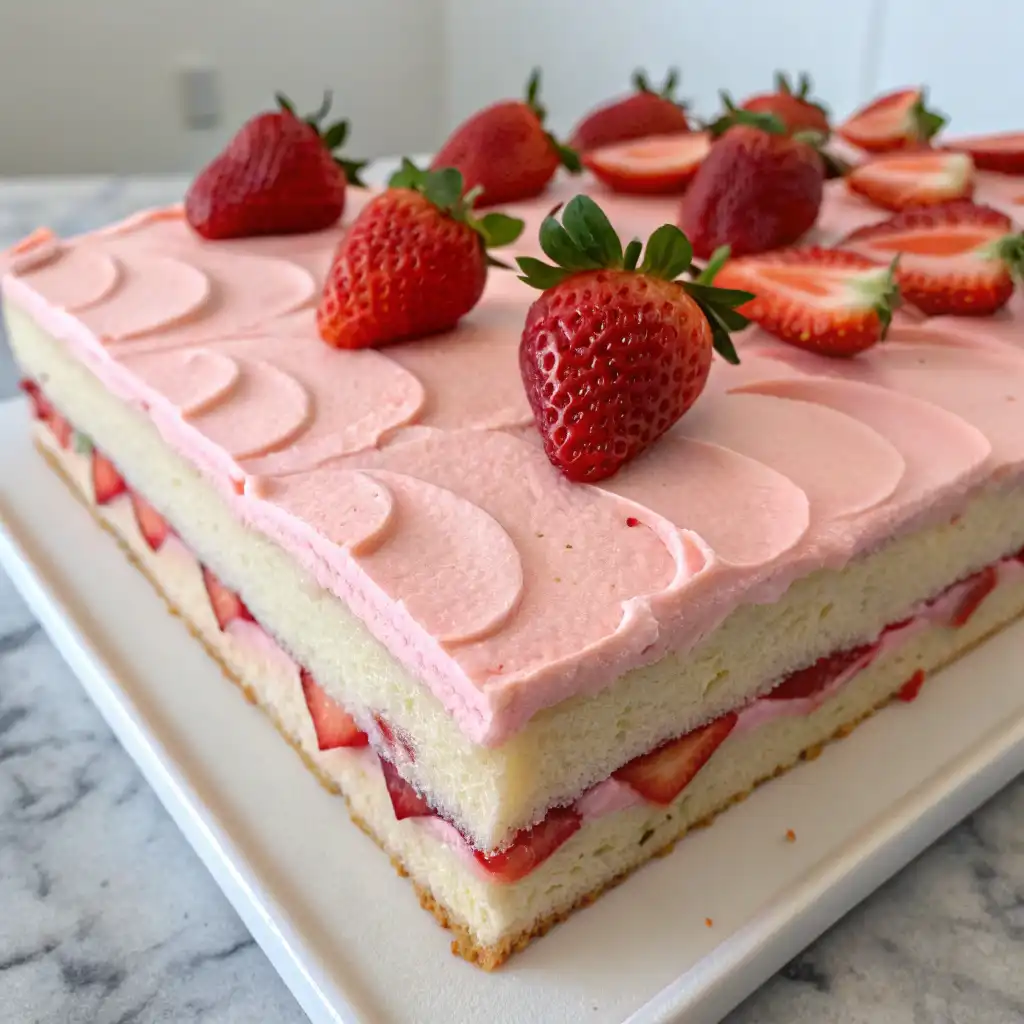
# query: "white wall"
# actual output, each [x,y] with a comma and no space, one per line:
[89,85]
[589,48]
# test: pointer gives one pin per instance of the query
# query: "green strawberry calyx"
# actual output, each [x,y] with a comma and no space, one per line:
[802,91]
[332,135]
[568,156]
[1009,250]
[585,241]
[445,189]
[641,83]
[926,123]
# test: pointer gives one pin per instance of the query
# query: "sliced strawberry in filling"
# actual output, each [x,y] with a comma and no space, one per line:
[975,589]
[405,800]
[152,525]
[806,682]
[531,846]
[227,605]
[393,737]
[107,483]
[61,429]
[911,688]
[333,725]
[664,773]
[41,408]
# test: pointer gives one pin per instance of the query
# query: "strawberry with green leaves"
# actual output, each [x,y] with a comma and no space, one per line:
[617,349]
[898,120]
[791,105]
[645,113]
[277,176]
[758,189]
[413,263]
[826,301]
[505,150]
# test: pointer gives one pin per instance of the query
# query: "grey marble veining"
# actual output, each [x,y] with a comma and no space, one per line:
[107,917]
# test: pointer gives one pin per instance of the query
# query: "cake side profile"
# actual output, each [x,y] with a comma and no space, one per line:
[523,685]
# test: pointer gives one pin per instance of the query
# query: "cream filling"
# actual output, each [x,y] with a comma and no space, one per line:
[493,792]
[620,830]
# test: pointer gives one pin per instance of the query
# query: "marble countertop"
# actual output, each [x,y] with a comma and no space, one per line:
[107,917]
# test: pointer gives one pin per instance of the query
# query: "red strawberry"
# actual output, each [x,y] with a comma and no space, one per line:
[660,164]
[823,300]
[1003,151]
[666,771]
[531,846]
[227,605]
[152,525]
[913,179]
[974,591]
[898,120]
[612,355]
[41,408]
[757,189]
[791,107]
[61,429]
[333,725]
[394,738]
[910,690]
[815,678]
[107,483]
[639,116]
[505,151]
[277,176]
[405,801]
[413,263]
[956,259]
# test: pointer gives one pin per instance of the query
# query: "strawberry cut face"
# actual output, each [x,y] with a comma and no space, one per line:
[661,775]
[226,604]
[152,525]
[531,847]
[405,801]
[657,165]
[107,483]
[333,725]
[807,682]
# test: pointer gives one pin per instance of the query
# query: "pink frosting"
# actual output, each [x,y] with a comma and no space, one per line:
[409,481]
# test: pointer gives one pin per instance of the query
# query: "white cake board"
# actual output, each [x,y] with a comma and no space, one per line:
[348,936]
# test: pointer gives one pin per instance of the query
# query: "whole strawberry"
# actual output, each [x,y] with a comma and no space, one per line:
[413,263]
[644,113]
[613,353]
[758,189]
[505,151]
[793,107]
[277,176]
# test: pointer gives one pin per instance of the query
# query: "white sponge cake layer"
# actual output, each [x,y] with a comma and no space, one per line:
[492,919]
[493,792]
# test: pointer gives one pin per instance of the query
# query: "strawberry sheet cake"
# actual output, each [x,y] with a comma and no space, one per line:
[542,570]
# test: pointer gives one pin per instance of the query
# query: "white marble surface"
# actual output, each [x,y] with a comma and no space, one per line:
[107,917]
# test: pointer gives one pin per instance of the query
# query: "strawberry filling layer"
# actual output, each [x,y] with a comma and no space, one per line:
[657,777]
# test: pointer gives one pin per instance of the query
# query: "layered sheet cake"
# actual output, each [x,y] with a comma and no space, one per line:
[525,686]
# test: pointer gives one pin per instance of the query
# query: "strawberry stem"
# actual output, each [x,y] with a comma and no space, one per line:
[737,115]
[333,136]
[445,189]
[585,240]
[927,123]
[666,92]
[1010,251]
[567,156]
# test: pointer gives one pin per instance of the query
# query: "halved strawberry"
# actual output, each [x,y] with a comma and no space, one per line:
[393,737]
[152,525]
[975,589]
[531,846]
[1002,151]
[41,408]
[107,483]
[656,165]
[898,120]
[823,300]
[811,680]
[227,605]
[333,725]
[913,179]
[666,771]
[407,803]
[61,429]
[956,259]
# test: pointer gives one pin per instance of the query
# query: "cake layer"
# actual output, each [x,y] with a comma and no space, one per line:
[613,834]
[491,793]
[410,484]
